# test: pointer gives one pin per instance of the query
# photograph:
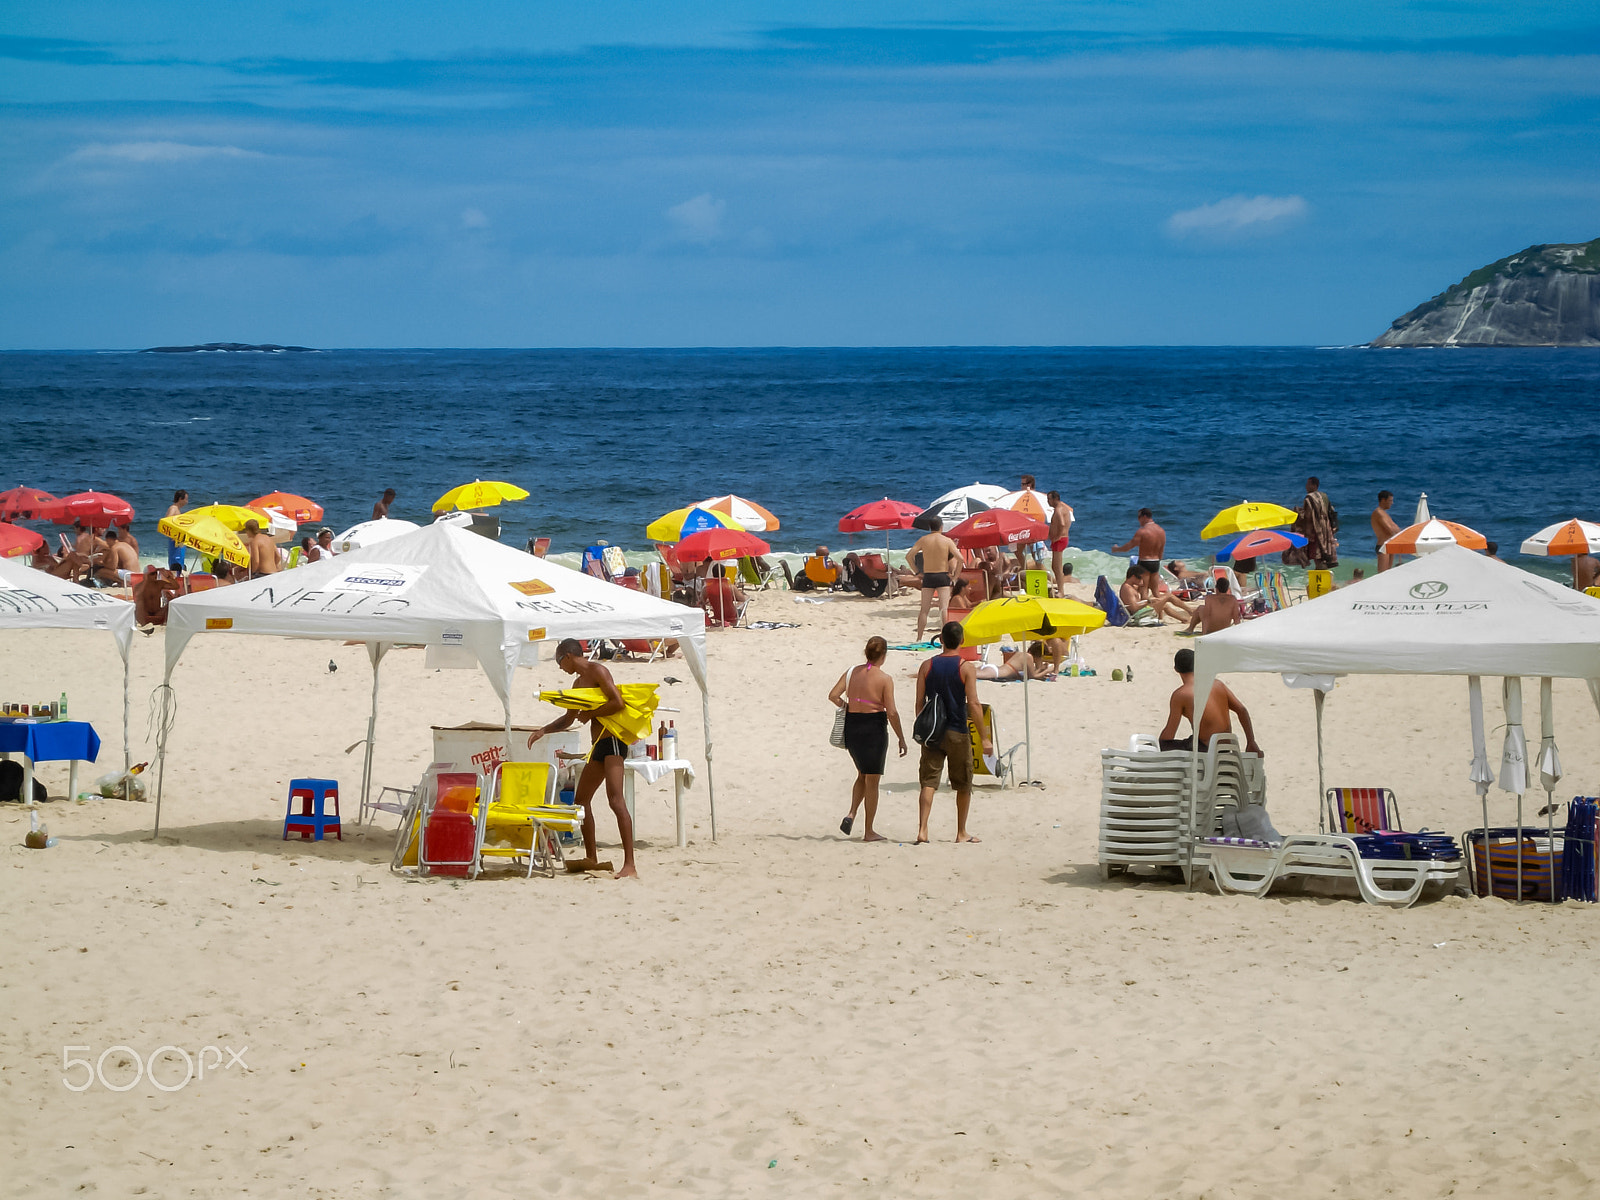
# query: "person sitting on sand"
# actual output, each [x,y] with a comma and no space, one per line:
[1021,660]
[606,753]
[955,682]
[69,565]
[866,693]
[1141,590]
[1217,611]
[323,547]
[150,596]
[116,562]
[87,542]
[1217,718]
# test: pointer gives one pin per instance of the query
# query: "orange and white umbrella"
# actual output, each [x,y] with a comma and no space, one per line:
[747,513]
[1028,502]
[1434,535]
[1565,537]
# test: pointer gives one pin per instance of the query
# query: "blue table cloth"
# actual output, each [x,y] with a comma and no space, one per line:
[56,741]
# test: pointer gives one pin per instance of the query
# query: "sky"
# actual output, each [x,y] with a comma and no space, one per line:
[622,173]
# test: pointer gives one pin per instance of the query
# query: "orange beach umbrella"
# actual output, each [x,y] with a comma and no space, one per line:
[297,508]
[1434,535]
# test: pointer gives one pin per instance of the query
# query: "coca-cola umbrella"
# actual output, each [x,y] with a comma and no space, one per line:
[16,541]
[998,527]
[721,544]
[881,515]
[97,510]
[23,502]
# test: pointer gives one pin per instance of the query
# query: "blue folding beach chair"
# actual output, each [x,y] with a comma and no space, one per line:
[1107,600]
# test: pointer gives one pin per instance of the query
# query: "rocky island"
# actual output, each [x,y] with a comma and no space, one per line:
[1541,296]
[227,348]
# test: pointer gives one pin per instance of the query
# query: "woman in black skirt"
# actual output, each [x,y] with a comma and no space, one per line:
[866,693]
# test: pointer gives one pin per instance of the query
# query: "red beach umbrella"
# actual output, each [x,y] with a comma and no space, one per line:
[97,510]
[720,544]
[23,502]
[16,541]
[999,527]
[297,508]
[878,515]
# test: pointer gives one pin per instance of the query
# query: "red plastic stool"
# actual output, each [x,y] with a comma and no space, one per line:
[311,821]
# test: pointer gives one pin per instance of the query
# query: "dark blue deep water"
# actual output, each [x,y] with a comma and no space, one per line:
[1502,440]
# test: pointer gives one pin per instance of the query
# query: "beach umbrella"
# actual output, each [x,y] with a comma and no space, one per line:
[1514,758]
[16,541]
[1549,770]
[369,533]
[480,493]
[880,515]
[97,510]
[1028,501]
[1028,616]
[631,723]
[232,516]
[957,505]
[1564,538]
[24,502]
[1433,535]
[1258,542]
[1248,515]
[747,513]
[1479,773]
[206,534]
[1423,514]
[681,522]
[721,544]
[998,527]
[296,508]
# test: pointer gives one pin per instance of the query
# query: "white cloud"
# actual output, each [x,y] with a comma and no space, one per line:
[1238,215]
[155,152]
[474,218]
[698,219]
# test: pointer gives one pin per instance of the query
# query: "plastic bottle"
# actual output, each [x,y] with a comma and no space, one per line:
[669,747]
[63,709]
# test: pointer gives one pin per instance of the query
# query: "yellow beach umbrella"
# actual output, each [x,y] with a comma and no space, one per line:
[206,534]
[639,702]
[681,522]
[480,493]
[231,516]
[1248,515]
[1030,616]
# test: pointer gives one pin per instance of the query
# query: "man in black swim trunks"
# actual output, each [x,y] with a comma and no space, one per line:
[941,563]
[606,754]
[1151,540]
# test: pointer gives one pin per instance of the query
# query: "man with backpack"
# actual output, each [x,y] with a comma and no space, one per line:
[947,690]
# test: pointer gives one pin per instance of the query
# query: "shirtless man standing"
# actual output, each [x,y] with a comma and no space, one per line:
[1384,528]
[1585,570]
[117,557]
[1151,540]
[1218,610]
[380,510]
[1060,532]
[175,551]
[606,753]
[941,559]
[1217,718]
[263,554]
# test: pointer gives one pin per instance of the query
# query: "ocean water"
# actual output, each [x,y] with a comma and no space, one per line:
[606,440]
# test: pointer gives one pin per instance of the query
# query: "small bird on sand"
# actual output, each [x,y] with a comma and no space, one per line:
[332,666]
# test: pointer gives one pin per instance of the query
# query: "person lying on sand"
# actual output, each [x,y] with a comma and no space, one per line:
[606,754]
[1217,718]
[1217,611]
[1030,660]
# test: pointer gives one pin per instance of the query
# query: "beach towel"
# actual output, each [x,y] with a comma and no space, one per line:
[632,724]
[1316,524]
[1105,599]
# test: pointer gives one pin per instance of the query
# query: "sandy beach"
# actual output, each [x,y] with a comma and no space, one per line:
[781,1011]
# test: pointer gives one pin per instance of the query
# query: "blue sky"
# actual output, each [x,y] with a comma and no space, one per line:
[630,173]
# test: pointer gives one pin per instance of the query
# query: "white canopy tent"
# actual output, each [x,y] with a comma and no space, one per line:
[34,599]
[439,586]
[1454,612]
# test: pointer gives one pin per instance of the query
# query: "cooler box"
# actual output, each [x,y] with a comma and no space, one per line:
[477,746]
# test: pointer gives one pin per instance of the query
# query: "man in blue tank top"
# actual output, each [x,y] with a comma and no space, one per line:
[956,684]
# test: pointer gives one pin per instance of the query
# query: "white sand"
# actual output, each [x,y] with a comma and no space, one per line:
[782,1011]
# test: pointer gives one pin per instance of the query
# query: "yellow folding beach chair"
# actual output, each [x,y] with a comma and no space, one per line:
[996,765]
[1318,583]
[522,821]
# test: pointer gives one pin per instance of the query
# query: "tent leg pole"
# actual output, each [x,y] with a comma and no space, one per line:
[1322,787]
[1519,847]
[1550,840]
[711,787]
[372,727]
[1488,861]
[161,755]
[1027,719]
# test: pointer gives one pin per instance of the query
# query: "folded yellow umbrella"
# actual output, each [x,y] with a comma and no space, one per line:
[480,493]
[1034,616]
[639,702]
[205,534]
[1248,515]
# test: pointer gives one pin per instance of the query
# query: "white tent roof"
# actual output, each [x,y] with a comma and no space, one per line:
[438,586]
[1454,612]
[34,599]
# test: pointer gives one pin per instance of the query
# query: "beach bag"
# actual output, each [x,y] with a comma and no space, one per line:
[929,725]
[836,738]
[11,784]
